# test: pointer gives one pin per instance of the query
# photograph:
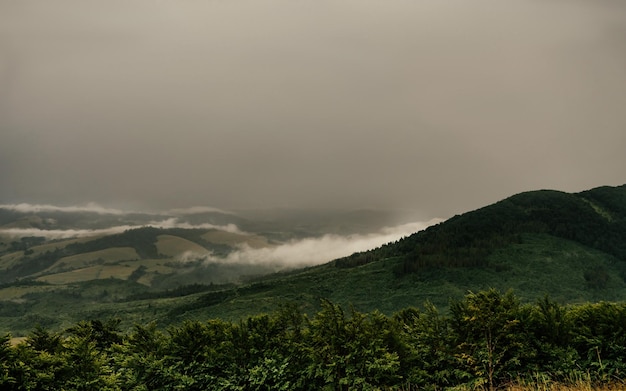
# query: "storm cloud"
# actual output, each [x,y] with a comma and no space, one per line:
[440,106]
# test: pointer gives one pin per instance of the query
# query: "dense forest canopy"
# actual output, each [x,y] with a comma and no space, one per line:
[595,218]
[488,339]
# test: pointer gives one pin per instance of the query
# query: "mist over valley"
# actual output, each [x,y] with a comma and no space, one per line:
[184,240]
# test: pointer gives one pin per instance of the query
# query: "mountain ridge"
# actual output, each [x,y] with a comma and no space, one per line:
[596,218]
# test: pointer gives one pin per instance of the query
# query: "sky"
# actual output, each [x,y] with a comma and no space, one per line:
[428,105]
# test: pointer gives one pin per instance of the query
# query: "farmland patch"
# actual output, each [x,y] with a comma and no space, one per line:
[172,246]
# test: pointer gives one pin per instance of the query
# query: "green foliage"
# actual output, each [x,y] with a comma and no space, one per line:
[468,240]
[596,278]
[487,340]
[426,350]
[42,340]
[6,361]
[598,335]
[102,334]
[486,327]
[347,352]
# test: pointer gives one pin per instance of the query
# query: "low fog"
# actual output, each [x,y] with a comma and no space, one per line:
[436,106]
[51,234]
[310,251]
[91,207]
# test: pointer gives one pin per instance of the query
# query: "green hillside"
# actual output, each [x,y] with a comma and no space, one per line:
[153,252]
[571,247]
[568,246]
[595,218]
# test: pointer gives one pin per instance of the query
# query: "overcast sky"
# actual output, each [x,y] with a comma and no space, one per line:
[441,106]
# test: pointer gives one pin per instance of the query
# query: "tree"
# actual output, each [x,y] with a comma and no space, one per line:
[598,334]
[548,328]
[42,340]
[486,326]
[426,347]
[7,378]
[351,353]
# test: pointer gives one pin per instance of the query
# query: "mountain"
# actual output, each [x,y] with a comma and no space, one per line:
[595,218]
[571,247]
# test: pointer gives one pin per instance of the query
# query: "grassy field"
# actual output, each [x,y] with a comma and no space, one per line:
[575,385]
[173,246]
[80,261]
[89,273]
[11,259]
[582,385]
[152,268]
[15,293]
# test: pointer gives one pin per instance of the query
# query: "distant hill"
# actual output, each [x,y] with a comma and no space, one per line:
[571,247]
[159,250]
[63,263]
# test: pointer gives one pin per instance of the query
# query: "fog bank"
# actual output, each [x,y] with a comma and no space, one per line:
[311,251]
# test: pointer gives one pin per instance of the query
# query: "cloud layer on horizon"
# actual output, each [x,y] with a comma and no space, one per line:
[78,233]
[94,207]
[90,207]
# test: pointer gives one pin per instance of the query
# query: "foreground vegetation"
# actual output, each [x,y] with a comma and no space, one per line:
[486,340]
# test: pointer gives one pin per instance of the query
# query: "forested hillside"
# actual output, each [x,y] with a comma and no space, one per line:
[595,218]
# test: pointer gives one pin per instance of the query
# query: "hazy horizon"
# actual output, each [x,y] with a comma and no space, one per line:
[430,106]
[306,248]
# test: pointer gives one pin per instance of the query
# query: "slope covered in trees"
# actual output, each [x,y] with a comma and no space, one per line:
[595,218]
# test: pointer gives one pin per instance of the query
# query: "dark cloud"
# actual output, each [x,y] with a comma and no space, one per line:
[439,106]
